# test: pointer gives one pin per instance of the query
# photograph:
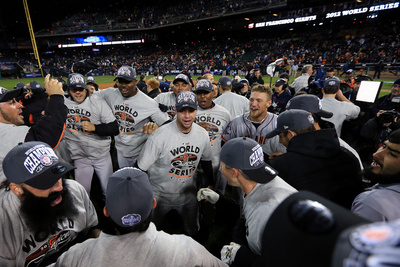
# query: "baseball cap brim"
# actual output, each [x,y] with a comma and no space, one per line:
[48,178]
[185,105]
[180,79]
[124,77]
[324,114]
[262,175]
[10,95]
[272,133]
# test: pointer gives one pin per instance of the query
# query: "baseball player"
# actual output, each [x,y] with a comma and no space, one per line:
[234,103]
[132,109]
[48,128]
[214,119]
[256,123]
[242,163]
[132,238]
[41,215]
[167,99]
[90,123]
[170,157]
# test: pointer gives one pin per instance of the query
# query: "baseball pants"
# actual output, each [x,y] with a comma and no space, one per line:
[84,171]
[125,161]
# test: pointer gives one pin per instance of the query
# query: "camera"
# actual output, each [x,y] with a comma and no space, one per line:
[237,86]
[388,116]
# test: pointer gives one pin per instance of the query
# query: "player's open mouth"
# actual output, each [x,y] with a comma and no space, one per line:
[376,164]
[57,201]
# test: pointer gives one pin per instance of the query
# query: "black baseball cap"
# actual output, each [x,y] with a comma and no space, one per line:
[310,103]
[126,73]
[129,197]
[291,120]
[35,85]
[181,77]
[225,81]
[332,82]
[204,85]
[186,99]
[247,155]
[76,80]
[280,82]
[6,95]
[20,85]
[311,224]
[90,80]
[35,164]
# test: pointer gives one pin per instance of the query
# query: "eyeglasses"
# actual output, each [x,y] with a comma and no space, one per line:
[79,89]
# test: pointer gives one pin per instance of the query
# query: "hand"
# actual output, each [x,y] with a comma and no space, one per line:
[207,194]
[88,126]
[228,253]
[205,125]
[274,155]
[149,127]
[53,86]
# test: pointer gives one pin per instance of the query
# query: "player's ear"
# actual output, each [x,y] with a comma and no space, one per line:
[105,212]
[16,189]
[154,203]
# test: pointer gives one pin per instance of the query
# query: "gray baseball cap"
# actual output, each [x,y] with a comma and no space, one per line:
[310,103]
[126,73]
[129,197]
[76,80]
[35,164]
[6,95]
[204,85]
[292,120]
[186,99]
[225,81]
[247,155]
[181,77]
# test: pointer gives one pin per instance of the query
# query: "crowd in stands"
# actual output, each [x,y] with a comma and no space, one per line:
[157,14]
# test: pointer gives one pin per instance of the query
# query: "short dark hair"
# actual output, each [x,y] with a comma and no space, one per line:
[330,89]
[394,137]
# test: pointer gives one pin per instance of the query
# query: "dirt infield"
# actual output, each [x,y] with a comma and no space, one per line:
[105,85]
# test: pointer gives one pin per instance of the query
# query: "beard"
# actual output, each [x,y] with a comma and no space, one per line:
[16,121]
[41,217]
[374,178]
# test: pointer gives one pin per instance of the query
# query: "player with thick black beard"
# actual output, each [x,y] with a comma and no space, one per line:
[39,213]
[381,201]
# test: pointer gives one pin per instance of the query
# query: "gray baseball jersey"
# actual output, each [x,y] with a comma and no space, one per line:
[234,103]
[132,113]
[168,99]
[22,247]
[258,206]
[218,118]
[170,158]
[83,144]
[242,127]
[10,136]
[378,203]
[150,248]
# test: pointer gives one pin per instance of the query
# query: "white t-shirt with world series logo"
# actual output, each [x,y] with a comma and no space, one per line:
[170,158]
[132,113]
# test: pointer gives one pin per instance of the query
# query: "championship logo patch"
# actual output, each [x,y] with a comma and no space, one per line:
[131,219]
[77,79]
[124,71]
[39,157]
[257,157]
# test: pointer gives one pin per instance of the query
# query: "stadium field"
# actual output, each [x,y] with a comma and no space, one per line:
[107,81]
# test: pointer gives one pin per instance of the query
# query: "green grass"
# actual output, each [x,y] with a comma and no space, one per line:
[9,84]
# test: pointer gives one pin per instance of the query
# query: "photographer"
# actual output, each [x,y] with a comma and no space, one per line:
[376,130]
[390,101]
[255,76]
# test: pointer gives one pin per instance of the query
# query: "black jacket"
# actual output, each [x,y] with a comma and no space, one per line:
[316,162]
